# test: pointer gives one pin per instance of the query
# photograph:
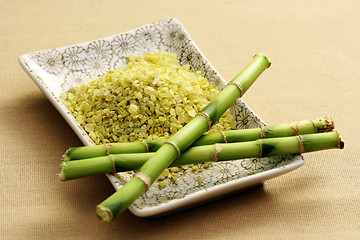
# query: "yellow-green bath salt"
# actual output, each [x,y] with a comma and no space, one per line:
[151,97]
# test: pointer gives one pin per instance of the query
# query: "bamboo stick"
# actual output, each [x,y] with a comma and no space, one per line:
[206,153]
[324,124]
[180,141]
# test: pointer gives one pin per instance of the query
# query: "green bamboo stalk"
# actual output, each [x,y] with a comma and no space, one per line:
[180,141]
[324,124]
[206,153]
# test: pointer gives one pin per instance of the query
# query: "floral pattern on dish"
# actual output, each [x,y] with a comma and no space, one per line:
[174,35]
[74,57]
[74,78]
[96,65]
[123,45]
[100,48]
[145,46]
[197,178]
[51,61]
[148,33]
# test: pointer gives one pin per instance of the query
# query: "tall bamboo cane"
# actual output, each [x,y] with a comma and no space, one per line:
[206,153]
[180,141]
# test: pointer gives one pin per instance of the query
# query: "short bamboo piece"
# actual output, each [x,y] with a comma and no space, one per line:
[324,124]
[206,153]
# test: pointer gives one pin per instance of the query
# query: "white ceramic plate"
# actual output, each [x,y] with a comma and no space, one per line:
[55,70]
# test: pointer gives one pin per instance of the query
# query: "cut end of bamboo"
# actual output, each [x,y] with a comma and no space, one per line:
[330,123]
[104,213]
[66,156]
[341,143]
[263,55]
[62,174]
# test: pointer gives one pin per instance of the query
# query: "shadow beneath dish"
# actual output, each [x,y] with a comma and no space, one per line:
[200,216]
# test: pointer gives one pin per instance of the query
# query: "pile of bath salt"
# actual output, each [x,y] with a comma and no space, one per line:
[151,97]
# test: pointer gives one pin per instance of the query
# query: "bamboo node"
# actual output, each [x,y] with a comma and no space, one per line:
[262,132]
[145,178]
[296,130]
[176,148]
[316,130]
[205,115]
[302,148]
[223,136]
[146,146]
[113,162]
[108,146]
[218,149]
[239,87]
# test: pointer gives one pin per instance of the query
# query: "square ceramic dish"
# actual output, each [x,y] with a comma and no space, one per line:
[55,70]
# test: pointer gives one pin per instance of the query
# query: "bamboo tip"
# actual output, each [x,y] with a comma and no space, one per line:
[328,119]
[341,143]
[264,56]
[66,156]
[104,213]
[62,173]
